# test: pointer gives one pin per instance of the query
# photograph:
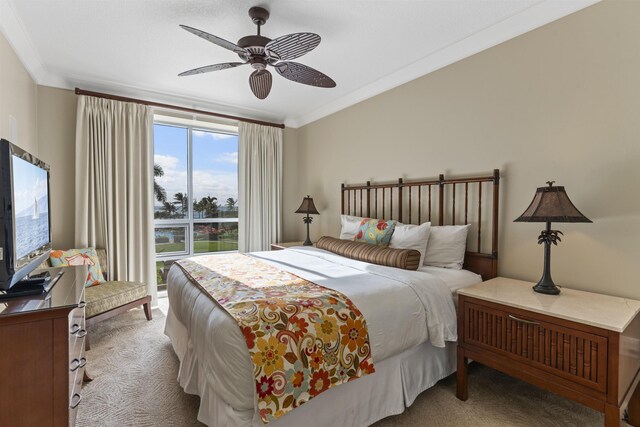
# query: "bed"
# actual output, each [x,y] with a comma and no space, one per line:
[214,360]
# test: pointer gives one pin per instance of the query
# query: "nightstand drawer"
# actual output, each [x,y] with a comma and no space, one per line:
[576,355]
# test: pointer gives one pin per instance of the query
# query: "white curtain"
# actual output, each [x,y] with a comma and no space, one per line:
[260,186]
[114,186]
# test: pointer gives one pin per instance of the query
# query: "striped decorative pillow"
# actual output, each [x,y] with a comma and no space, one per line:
[407,259]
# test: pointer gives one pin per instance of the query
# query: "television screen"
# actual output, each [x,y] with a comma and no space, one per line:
[30,207]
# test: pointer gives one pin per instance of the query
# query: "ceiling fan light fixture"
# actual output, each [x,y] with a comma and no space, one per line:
[258,63]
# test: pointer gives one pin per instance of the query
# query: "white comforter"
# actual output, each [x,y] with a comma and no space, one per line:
[402,309]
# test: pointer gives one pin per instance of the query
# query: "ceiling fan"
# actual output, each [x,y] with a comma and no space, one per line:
[261,52]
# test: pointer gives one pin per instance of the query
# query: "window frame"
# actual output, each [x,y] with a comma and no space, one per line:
[189,221]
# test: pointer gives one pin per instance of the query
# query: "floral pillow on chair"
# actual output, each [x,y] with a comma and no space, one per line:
[73,257]
[376,231]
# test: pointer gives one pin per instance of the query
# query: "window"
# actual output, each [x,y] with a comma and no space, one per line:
[195,191]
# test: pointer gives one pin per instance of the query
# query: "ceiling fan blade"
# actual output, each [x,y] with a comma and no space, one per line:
[260,82]
[292,46]
[209,68]
[302,74]
[216,40]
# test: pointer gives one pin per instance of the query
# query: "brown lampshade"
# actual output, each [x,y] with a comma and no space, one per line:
[551,204]
[307,207]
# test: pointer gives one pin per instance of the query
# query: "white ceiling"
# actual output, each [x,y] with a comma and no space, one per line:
[135,47]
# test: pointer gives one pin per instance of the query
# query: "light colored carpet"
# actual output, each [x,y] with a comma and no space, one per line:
[135,370]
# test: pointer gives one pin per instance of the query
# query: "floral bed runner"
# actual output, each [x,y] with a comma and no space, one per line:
[302,338]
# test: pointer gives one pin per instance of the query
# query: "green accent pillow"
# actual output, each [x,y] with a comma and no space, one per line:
[73,257]
[376,231]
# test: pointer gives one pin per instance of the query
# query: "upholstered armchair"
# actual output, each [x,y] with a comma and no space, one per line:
[112,297]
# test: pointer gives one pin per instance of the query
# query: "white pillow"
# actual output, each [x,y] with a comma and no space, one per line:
[447,245]
[408,236]
[349,226]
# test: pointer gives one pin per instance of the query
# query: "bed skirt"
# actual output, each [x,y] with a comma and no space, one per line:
[394,386]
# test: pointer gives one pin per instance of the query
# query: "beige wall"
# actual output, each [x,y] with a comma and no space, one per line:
[559,103]
[17,99]
[45,120]
[57,134]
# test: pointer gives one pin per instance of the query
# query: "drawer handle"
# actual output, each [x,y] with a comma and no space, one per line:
[77,402]
[75,329]
[79,363]
[81,333]
[529,322]
[82,304]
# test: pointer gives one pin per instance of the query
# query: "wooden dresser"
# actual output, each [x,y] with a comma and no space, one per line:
[42,354]
[581,345]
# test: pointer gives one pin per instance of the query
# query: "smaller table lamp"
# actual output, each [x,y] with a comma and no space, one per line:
[307,207]
[550,204]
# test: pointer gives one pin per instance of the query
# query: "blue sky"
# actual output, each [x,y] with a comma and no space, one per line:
[215,162]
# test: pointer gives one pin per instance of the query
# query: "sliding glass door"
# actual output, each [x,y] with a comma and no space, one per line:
[196,193]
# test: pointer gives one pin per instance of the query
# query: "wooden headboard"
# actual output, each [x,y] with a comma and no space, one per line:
[443,201]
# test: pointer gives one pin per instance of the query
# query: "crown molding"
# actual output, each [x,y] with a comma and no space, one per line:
[15,33]
[71,81]
[529,19]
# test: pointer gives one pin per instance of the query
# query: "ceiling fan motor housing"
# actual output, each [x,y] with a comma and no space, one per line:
[255,46]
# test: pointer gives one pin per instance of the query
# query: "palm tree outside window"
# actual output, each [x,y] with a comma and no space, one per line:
[195,181]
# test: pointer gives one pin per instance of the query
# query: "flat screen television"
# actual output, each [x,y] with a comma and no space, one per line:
[25,232]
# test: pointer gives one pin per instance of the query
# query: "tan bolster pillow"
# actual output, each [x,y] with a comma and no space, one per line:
[407,259]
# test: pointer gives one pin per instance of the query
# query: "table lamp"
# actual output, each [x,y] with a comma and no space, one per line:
[307,207]
[550,204]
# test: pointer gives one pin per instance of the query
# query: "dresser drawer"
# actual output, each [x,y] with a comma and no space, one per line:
[576,355]
[77,333]
[75,397]
[77,358]
[76,316]
[77,363]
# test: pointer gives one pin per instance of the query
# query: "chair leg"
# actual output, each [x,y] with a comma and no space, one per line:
[87,346]
[147,310]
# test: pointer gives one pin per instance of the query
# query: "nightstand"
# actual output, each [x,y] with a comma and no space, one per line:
[581,345]
[284,245]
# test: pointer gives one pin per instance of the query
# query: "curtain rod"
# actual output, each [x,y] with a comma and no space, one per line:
[175,107]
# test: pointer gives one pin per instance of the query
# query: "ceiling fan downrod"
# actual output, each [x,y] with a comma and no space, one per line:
[259,16]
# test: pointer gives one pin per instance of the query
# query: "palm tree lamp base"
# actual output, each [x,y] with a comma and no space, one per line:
[545,285]
[307,220]
[549,289]
[550,204]
[308,208]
